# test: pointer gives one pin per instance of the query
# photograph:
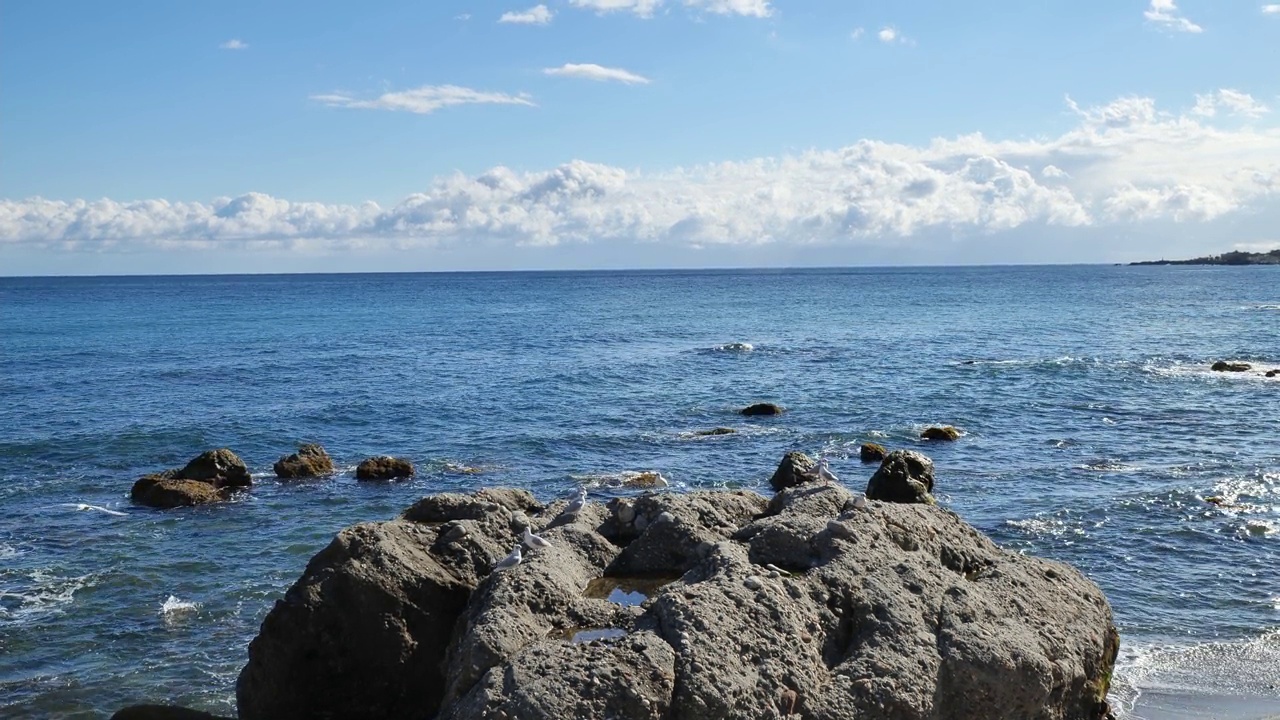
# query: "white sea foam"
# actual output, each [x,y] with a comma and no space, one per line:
[1241,668]
[1109,466]
[8,551]
[1045,526]
[735,347]
[173,606]
[42,594]
[94,508]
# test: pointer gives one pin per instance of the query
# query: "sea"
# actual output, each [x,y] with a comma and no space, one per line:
[1094,433]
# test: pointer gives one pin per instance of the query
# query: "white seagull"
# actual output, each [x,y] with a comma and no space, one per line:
[511,560]
[534,541]
[578,503]
[824,473]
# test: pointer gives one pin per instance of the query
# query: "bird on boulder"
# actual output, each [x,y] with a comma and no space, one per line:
[535,541]
[511,560]
[823,472]
[576,506]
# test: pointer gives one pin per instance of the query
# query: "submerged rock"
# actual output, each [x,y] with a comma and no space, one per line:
[209,477]
[763,409]
[796,468]
[872,452]
[812,605]
[1224,366]
[1272,373]
[311,460]
[716,431]
[384,467]
[905,476]
[944,432]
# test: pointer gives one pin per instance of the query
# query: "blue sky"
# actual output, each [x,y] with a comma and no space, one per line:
[178,137]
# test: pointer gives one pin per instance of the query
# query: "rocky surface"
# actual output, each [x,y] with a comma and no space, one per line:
[384,468]
[872,452]
[311,460]
[942,432]
[807,605]
[763,409]
[209,477]
[162,712]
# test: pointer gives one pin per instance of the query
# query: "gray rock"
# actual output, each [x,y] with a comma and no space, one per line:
[796,468]
[905,476]
[796,607]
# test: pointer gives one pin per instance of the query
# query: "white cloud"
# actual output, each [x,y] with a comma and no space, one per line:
[1233,101]
[1126,169]
[234,44]
[641,8]
[463,17]
[891,35]
[857,33]
[424,100]
[536,15]
[646,8]
[1271,9]
[1166,14]
[599,73]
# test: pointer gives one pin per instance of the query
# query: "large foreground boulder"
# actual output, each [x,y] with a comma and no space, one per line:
[796,468]
[209,477]
[812,605]
[311,460]
[163,712]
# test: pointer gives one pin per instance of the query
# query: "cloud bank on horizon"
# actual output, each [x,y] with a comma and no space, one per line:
[1123,165]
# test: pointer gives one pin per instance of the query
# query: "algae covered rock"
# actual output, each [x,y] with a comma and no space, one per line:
[384,467]
[311,460]
[872,452]
[209,477]
[220,467]
[945,433]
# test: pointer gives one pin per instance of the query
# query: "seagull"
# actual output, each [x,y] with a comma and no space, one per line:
[824,473]
[578,503]
[511,560]
[534,541]
[82,506]
[860,502]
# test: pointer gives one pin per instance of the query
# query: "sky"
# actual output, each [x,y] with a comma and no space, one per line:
[328,136]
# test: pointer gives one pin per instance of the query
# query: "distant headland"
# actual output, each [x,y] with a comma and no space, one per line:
[1235,257]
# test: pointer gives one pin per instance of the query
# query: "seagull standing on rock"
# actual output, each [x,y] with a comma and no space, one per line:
[534,541]
[824,473]
[511,560]
[576,506]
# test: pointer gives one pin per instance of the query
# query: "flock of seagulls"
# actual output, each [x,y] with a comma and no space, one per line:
[537,542]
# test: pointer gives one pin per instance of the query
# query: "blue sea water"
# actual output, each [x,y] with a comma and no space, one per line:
[1094,431]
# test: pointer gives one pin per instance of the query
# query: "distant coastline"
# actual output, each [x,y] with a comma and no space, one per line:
[1235,257]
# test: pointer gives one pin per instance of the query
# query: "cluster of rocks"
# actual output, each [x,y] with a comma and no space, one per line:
[215,475]
[815,603]
[1239,367]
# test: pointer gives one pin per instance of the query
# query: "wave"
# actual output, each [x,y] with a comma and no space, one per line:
[94,508]
[1046,526]
[8,551]
[1247,668]
[45,594]
[173,606]
[1108,465]
[1262,306]
[733,347]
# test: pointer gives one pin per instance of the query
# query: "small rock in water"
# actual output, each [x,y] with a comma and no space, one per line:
[716,431]
[1273,373]
[941,432]
[384,468]
[762,409]
[1224,366]
[872,452]
[311,460]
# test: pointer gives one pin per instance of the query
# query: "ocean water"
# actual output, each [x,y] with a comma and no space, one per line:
[1093,433]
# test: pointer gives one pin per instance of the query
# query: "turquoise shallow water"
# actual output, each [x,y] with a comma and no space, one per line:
[1093,432]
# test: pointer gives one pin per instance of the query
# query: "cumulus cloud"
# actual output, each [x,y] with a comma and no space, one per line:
[1233,102]
[1271,9]
[599,73]
[891,35]
[1167,15]
[423,100]
[234,44]
[536,15]
[646,8]
[640,8]
[1123,167]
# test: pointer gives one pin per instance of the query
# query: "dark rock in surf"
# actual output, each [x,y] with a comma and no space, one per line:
[905,476]
[716,431]
[1272,373]
[384,468]
[762,409]
[872,452]
[944,433]
[796,468]
[1224,366]
[311,460]
[209,477]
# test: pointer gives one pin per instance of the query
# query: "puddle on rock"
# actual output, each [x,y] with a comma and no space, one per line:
[626,591]
[586,635]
